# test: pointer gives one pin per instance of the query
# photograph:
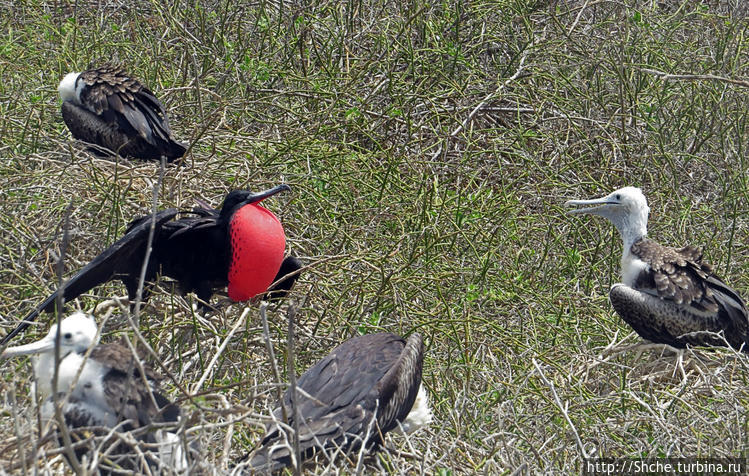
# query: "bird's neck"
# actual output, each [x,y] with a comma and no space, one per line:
[631,265]
[628,241]
[227,211]
[632,228]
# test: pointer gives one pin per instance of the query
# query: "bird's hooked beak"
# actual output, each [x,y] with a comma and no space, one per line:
[43,345]
[260,196]
[595,210]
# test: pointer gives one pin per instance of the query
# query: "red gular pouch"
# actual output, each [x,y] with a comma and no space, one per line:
[257,249]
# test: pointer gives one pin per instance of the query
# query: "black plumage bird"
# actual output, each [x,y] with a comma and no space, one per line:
[668,295]
[240,246]
[107,107]
[364,388]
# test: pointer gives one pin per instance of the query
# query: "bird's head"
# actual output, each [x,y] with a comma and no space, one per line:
[77,334]
[257,242]
[70,88]
[239,198]
[626,208]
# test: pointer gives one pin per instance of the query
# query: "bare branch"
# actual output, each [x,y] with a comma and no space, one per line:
[487,98]
[297,460]
[694,77]
[59,418]
[562,408]
[272,357]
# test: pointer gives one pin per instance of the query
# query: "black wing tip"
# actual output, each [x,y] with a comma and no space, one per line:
[287,276]
[22,326]
[175,151]
[48,305]
[170,412]
[18,329]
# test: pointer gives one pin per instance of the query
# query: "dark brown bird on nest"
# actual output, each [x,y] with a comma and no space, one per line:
[109,108]
[364,388]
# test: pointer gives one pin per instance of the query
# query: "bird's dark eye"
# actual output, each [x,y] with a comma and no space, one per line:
[618,197]
[67,335]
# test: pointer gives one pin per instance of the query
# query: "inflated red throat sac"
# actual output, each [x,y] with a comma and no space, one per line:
[257,250]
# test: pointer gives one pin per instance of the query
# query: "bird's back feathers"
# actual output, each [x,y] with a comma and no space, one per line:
[347,400]
[117,112]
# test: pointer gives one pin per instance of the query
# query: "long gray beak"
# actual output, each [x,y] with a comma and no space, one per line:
[259,197]
[37,347]
[595,201]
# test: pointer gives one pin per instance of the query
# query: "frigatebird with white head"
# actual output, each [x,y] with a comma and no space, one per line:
[240,246]
[103,391]
[108,107]
[668,295]
[366,387]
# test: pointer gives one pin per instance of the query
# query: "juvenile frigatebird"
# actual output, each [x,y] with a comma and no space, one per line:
[241,245]
[107,107]
[103,392]
[668,295]
[364,388]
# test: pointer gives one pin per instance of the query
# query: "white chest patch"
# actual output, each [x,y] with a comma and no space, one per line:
[632,266]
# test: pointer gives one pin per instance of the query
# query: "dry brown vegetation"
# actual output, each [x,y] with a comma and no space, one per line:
[430,147]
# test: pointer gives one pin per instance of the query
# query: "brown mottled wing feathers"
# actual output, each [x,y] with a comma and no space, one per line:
[125,389]
[132,407]
[105,82]
[677,274]
[690,301]
[400,385]
[113,94]
[118,357]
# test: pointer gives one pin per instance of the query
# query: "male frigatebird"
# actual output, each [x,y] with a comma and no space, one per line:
[241,245]
[668,295]
[107,107]
[364,388]
[102,393]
